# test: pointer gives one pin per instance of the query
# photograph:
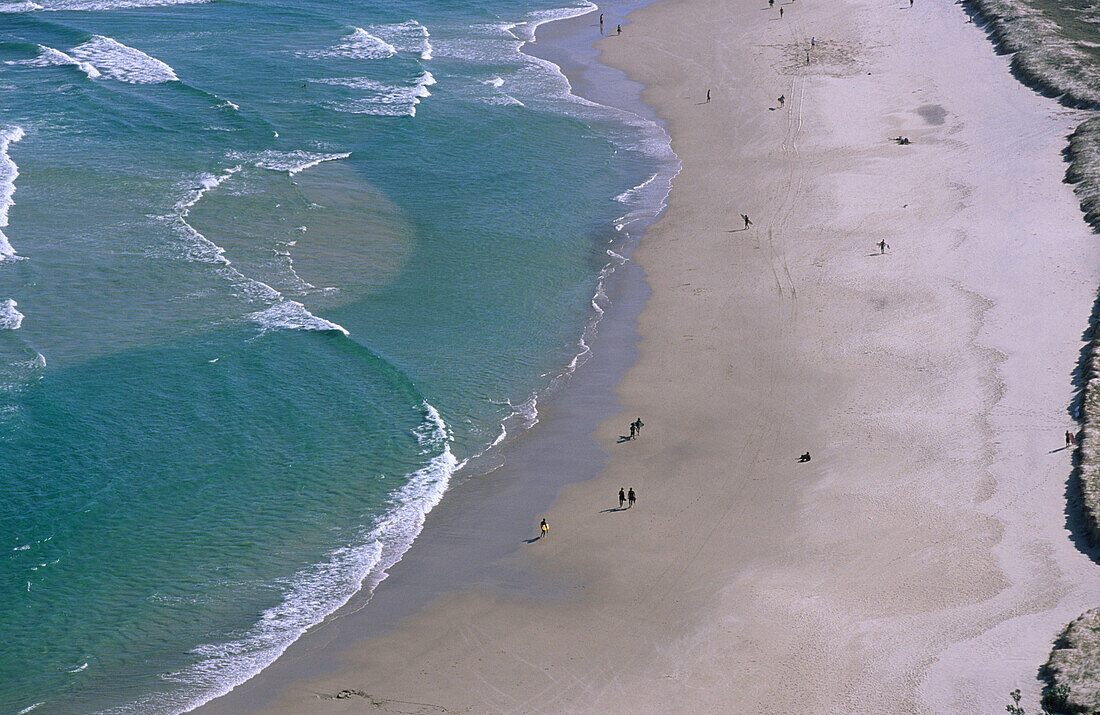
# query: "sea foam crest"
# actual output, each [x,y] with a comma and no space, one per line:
[14,7]
[526,29]
[50,57]
[9,172]
[292,315]
[122,62]
[315,592]
[280,313]
[382,99]
[89,5]
[408,36]
[291,162]
[359,45]
[10,317]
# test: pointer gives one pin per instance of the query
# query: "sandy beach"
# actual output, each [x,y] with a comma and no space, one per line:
[923,560]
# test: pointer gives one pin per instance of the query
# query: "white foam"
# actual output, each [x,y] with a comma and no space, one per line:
[381,99]
[626,196]
[496,81]
[526,30]
[291,162]
[10,318]
[359,45]
[292,315]
[50,57]
[122,62]
[279,313]
[78,668]
[9,172]
[97,5]
[26,710]
[314,593]
[24,547]
[409,36]
[25,6]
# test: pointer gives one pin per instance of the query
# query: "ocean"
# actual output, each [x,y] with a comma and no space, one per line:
[273,276]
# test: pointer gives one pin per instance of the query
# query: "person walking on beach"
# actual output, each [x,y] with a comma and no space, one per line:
[637,425]
[601,23]
[780,13]
[1069,438]
[618,29]
[745,218]
[631,497]
[708,96]
[622,497]
[781,100]
[882,246]
[633,430]
[544,529]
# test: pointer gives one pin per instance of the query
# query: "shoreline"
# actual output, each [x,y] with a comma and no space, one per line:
[495,485]
[919,562]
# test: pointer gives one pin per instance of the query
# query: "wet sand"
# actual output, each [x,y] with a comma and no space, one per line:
[922,561]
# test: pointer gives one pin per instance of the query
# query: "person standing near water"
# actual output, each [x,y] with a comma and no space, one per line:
[618,29]
[601,23]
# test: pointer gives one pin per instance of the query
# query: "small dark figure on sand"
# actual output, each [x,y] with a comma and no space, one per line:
[631,497]
[813,42]
[1069,438]
[708,96]
[780,13]
[805,457]
[601,23]
[771,3]
[544,529]
[807,58]
[882,246]
[618,29]
[745,218]
[622,497]
[637,425]
[782,98]
[633,430]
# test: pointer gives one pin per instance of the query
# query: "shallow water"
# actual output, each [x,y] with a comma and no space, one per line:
[269,274]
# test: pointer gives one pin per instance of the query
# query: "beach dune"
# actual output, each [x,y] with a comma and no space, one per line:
[920,562]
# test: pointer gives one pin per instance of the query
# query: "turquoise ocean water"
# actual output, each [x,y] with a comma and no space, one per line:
[270,273]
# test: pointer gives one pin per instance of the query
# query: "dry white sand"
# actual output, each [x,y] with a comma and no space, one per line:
[921,561]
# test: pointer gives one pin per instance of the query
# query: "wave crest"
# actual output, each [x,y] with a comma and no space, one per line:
[122,62]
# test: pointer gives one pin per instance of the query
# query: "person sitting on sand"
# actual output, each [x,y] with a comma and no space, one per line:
[544,529]
[805,457]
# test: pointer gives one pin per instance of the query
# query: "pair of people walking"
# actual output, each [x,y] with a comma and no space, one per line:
[627,497]
[636,428]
